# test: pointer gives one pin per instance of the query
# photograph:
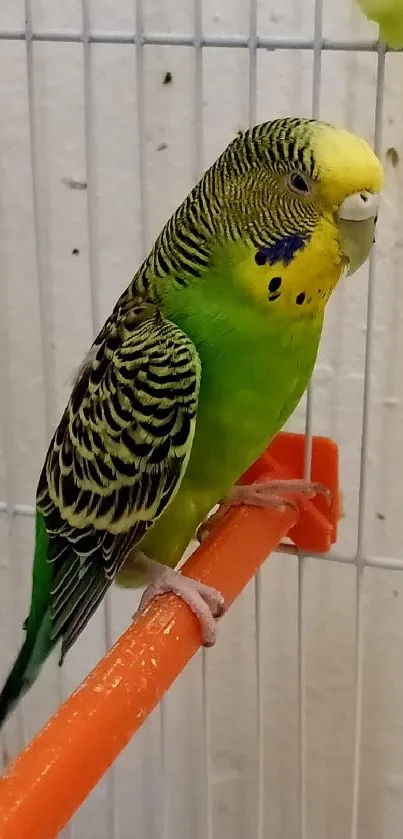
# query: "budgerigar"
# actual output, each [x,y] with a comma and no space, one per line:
[203,359]
[389,15]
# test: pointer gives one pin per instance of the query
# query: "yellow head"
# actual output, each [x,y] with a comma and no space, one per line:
[307,195]
[349,184]
[345,165]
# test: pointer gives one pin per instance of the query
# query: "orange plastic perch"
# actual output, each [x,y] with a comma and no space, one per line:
[49,780]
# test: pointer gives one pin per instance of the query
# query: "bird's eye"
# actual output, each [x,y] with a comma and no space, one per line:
[299,183]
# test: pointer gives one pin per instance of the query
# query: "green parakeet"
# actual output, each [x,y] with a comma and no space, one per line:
[201,362]
[389,15]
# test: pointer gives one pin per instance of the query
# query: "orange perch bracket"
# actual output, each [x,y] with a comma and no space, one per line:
[316,528]
[48,781]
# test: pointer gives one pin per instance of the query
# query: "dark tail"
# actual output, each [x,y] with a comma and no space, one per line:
[38,643]
[20,679]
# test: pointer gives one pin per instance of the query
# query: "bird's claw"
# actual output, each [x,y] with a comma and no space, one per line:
[206,602]
[268,494]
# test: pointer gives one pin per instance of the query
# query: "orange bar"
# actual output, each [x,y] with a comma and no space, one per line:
[49,780]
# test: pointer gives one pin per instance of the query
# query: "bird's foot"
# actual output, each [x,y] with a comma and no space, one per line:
[269,494]
[206,602]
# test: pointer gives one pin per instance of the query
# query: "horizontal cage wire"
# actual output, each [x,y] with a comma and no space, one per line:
[254,42]
[168,39]
[387,562]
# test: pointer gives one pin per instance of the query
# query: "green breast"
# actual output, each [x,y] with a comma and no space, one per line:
[246,396]
[255,369]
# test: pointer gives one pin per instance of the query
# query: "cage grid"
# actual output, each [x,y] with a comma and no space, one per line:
[10,507]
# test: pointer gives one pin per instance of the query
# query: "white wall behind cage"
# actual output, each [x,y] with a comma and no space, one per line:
[271,734]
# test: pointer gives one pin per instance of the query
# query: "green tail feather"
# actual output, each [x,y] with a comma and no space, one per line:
[38,643]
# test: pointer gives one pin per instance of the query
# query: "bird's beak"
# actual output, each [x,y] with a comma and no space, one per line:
[356,222]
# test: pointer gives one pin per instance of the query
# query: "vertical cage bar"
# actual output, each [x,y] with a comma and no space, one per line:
[110,806]
[208,833]
[358,655]
[198,166]
[164,816]
[45,317]
[252,62]
[139,39]
[198,88]
[316,88]
[301,700]
[139,46]
[364,465]
[8,445]
[317,57]
[44,311]
[163,825]
[252,107]
[259,709]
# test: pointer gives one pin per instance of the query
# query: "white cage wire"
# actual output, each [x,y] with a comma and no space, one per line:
[35,40]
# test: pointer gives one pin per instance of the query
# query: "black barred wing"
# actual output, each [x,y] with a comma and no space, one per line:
[116,459]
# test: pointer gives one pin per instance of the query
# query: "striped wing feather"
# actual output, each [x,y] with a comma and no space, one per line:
[116,459]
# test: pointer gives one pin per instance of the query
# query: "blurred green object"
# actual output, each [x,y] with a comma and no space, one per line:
[389,15]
